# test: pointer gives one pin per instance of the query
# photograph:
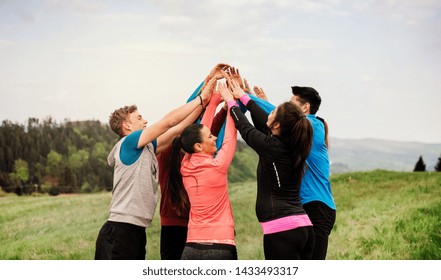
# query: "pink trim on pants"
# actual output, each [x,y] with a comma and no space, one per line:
[285,223]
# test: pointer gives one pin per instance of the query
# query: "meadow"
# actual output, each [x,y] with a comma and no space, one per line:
[381,215]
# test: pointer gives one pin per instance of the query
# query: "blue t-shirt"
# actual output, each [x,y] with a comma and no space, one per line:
[316,185]
[130,152]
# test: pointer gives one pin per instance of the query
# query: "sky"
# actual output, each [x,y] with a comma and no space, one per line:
[375,63]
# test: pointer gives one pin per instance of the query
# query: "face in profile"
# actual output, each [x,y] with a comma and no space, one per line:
[136,121]
[271,117]
[208,144]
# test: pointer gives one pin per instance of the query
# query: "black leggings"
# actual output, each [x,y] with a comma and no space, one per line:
[197,251]
[323,219]
[294,244]
[173,239]
[120,241]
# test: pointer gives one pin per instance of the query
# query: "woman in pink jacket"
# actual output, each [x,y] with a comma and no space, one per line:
[203,176]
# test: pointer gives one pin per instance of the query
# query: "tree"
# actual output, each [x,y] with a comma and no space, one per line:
[54,160]
[21,175]
[438,165]
[420,165]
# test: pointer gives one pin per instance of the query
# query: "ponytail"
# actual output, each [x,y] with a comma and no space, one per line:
[296,132]
[177,196]
[300,146]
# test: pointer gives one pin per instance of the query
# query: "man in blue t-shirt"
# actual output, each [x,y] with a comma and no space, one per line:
[315,191]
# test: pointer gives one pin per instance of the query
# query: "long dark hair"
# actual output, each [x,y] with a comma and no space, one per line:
[296,133]
[175,189]
[325,124]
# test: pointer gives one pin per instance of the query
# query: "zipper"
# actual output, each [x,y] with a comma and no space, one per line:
[277,175]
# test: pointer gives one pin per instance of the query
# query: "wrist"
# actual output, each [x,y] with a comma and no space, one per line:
[245,98]
[201,101]
[231,103]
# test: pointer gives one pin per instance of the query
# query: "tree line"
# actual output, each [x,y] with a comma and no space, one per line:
[45,156]
[71,157]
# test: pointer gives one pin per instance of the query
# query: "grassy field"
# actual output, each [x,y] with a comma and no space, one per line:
[381,215]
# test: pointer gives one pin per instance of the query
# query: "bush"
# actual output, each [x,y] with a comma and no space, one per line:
[50,189]
[86,188]
[2,192]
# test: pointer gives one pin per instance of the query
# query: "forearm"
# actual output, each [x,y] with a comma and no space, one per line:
[168,121]
[226,153]
[207,118]
[258,115]
[166,139]
[254,138]
[218,121]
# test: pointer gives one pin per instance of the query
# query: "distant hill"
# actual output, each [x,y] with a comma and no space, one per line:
[370,154]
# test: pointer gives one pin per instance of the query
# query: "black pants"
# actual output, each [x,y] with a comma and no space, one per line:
[197,251]
[173,239]
[294,244]
[323,219]
[120,241]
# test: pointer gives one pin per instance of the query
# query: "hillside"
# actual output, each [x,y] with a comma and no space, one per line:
[381,215]
[369,154]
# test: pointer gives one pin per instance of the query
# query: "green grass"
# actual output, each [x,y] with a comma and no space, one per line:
[385,215]
[381,215]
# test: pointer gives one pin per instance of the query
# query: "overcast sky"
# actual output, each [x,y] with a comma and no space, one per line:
[376,64]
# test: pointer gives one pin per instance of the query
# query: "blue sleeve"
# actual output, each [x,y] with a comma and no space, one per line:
[265,105]
[196,92]
[130,153]
[220,136]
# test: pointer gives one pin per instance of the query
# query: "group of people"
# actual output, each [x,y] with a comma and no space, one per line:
[188,153]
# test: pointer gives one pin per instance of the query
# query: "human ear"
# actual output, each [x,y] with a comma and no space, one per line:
[197,147]
[306,108]
[126,125]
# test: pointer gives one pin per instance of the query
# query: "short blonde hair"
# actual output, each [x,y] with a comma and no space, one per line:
[119,116]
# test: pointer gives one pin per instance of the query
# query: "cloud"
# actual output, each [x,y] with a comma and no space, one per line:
[411,12]
[24,15]
[75,6]
[6,43]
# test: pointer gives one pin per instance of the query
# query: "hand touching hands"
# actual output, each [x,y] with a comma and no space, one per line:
[233,85]
[234,74]
[216,71]
[225,92]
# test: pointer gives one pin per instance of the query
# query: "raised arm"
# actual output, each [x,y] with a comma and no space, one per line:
[258,115]
[207,118]
[166,138]
[216,73]
[225,155]
[262,143]
[219,119]
[172,119]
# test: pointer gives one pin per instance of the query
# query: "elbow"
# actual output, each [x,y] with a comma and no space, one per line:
[172,123]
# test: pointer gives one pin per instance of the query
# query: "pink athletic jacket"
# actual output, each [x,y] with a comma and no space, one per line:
[205,180]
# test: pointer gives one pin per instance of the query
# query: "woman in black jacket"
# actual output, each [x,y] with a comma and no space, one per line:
[282,140]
